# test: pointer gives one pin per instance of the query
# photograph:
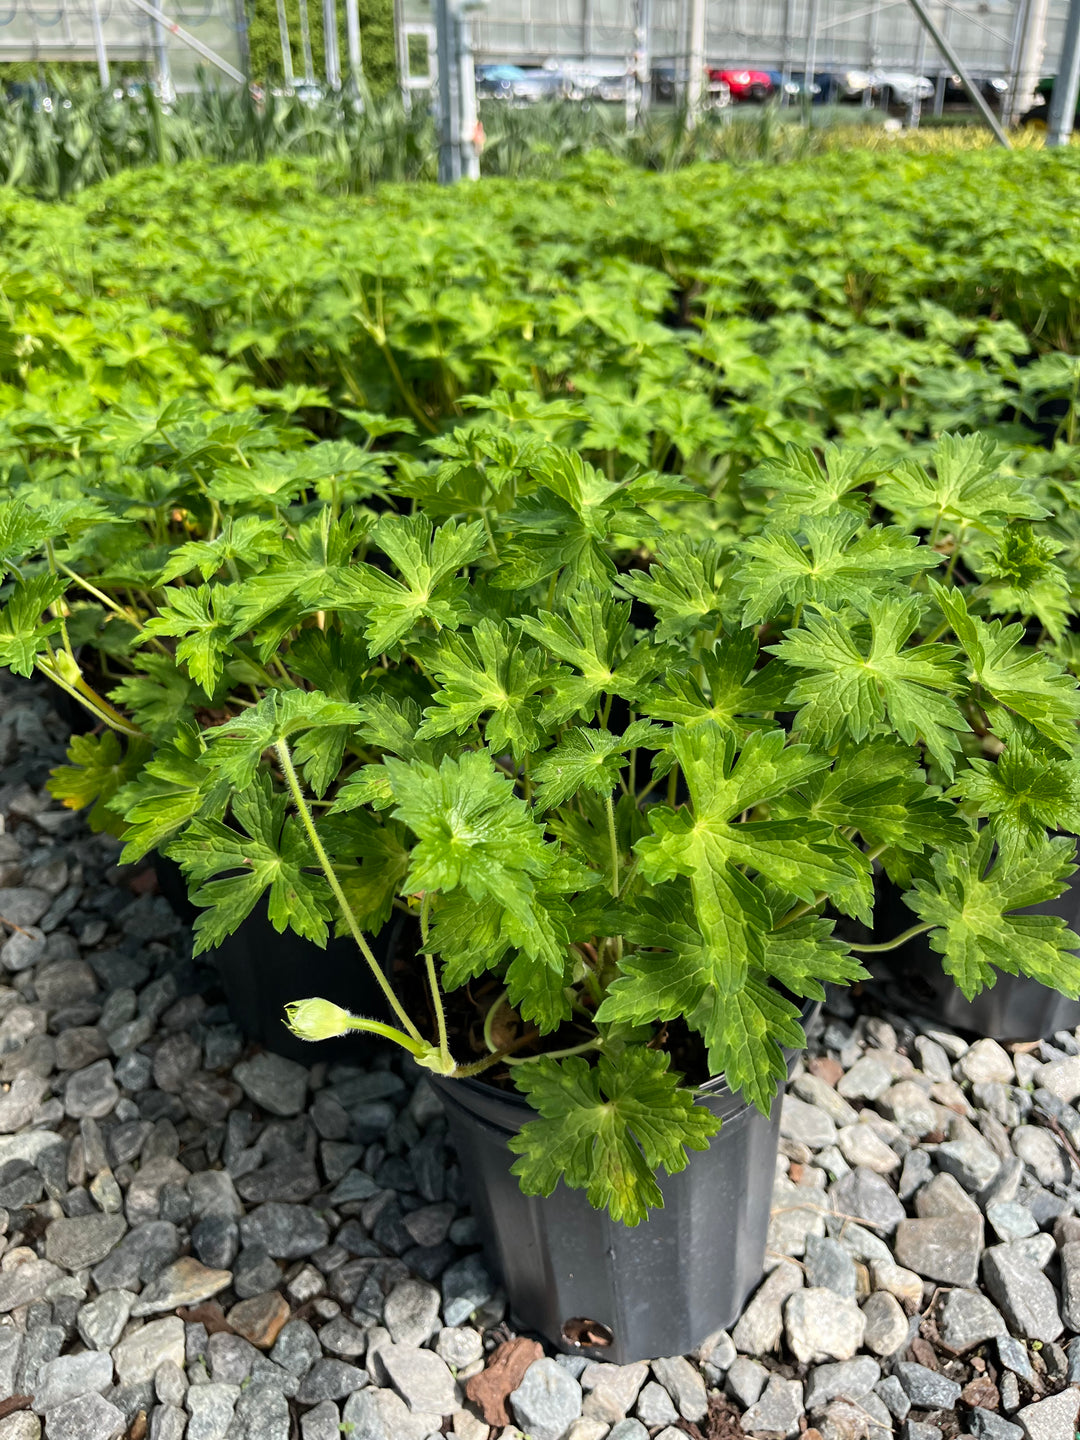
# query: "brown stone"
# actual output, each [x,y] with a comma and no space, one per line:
[504,1372]
[260,1319]
[825,1068]
[211,1315]
[981,1393]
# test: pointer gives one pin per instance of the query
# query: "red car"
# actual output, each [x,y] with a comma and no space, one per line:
[745,84]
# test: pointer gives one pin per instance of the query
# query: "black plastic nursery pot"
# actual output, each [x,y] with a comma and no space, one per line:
[262,971]
[575,1276]
[1016,1008]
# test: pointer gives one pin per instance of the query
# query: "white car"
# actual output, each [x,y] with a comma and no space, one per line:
[900,87]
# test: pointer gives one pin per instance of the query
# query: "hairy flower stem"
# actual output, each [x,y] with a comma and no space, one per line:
[891,944]
[293,781]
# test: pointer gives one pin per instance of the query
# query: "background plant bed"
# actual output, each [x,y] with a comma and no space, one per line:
[576,1276]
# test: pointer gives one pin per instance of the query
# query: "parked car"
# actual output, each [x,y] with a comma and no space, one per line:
[592,82]
[756,85]
[511,82]
[665,87]
[900,87]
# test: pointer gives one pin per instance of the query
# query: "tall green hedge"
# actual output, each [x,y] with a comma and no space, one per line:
[376,40]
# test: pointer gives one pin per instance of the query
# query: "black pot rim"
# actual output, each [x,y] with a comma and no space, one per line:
[715,1088]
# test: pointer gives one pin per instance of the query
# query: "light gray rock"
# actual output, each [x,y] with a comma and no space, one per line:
[102,1321]
[23,1425]
[1023,1293]
[893,1396]
[744,1382]
[90,1417]
[762,1322]
[21,1100]
[944,1248]
[1061,1078]
[411,1312]
[211,1409]
[1011,1220]
[383,1415]
[986,1061]
[816,1092]
[69,1376]
[778,1411]
[547,1402]
[821,1325]
[262,1413]
[1052,1419]
[849,1380]
[909,1105]
[966,1318]
[423,1380]
[458,1345]
[612,1390]
[944,1196]
[25,1283]
[886,1323]
[685,1386]
[185,1282]
[1041,1153]
[1070,1285]
[866,1080]
[167,1422]
[276,1084]
[655,1406]
[91,1091]
[11,1345]
[138,1357]
[869,1197]
[322,1423]
[624,1430]
[862,1145]
[970,1160]
[806,1123]
[466,1286]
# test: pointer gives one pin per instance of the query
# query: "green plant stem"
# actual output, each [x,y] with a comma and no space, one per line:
[891,944]
[433,978]
[293,781]
[613,838]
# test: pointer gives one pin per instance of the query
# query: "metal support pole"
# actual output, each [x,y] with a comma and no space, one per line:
[810,61]
[164,69]
[99,45]
[914,114]
[305,42]
[974,94]
[401,53]
[356,59]
[1032,50]
[1009,115]
[586,30]
[331,53]
[286,45]
[1067,84]
[643,55]
[470,157]
[785,61]
[873,54]
[243,44]
[695,77]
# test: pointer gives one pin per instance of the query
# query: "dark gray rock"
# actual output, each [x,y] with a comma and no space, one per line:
[262,1413]
[926,1389]
[297,1348]
[216,1240]
[70,1376]
[90,1417]
[321,1423]
[276,1084]
[894,1397]
[829,1265]
[286,1232]
[83,1241]
[1024,1294]
[465,1287]
[334,1380]
[985,1425]
[966,1318]
[944,1248]
[868,1196]
[848,1380]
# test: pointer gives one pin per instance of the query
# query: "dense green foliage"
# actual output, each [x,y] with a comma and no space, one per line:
[616,606]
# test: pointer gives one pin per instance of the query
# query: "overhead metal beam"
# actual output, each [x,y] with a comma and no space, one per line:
[190,40]
[974,94]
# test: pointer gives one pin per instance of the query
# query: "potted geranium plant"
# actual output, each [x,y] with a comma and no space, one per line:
[622,831]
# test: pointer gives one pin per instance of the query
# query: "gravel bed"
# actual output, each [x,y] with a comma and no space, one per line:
[201,1239]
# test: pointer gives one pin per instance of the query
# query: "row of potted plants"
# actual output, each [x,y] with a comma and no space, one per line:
[630,790]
